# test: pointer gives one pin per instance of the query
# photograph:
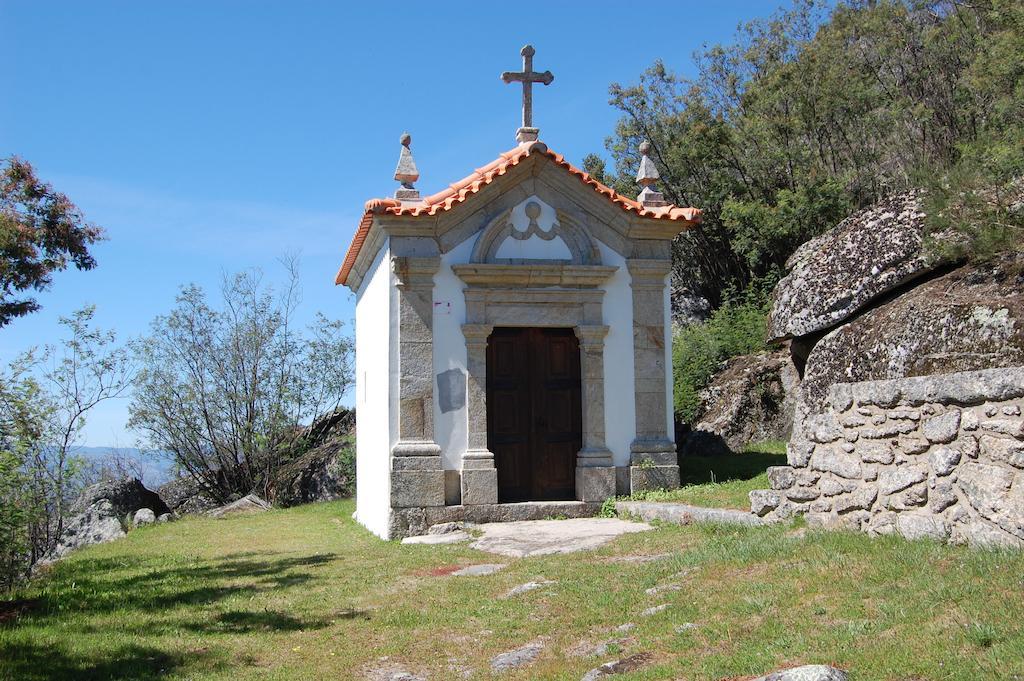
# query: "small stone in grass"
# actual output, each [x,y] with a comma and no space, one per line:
[809,672]
[527,587]
[479,570]
[685,627]
[626,664]
[519,657]
[654,610]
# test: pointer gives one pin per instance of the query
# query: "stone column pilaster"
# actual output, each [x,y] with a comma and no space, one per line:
[417,476]
[479,475]
[653,461]
[595,470]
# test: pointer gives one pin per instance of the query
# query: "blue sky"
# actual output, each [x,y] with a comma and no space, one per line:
[209,137]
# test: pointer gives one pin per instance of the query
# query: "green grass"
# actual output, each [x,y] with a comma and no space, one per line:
[723,481]
[305,593]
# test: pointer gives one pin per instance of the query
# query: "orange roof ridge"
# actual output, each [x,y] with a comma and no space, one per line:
[460,191]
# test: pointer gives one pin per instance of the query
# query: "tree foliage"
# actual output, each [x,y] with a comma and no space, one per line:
[41,232]
[813,113]
[45,398]
[737,327]
[227,389]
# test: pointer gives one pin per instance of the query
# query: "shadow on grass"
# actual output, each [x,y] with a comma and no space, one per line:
[695,469]
[31,662]
[243,622]
[91,586]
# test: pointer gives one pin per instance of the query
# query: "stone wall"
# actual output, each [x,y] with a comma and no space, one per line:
[934,456]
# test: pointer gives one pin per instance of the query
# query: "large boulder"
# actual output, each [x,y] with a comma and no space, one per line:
[970,318]
[96,524]
[126,495]
[326,469]
[833,275]
[750,400]
[99,513]
[250,503]
[324,473]
[185,496]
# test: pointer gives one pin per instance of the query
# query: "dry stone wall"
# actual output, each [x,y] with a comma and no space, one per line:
[934,456]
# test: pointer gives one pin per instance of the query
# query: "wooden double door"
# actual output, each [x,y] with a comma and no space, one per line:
[534,415]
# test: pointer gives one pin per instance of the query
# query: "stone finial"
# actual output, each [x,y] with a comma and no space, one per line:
[406,172]
[646,177]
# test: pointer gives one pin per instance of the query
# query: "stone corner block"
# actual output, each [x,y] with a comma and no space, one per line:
[417,488]
[781,477]
[763,501]
[595,483]
[645,478]
[479,486]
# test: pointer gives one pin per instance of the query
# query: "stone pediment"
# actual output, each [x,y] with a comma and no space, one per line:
[450,217]
[533,275]
[554,233]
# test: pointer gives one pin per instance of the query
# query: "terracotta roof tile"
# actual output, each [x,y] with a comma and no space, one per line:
[460,191]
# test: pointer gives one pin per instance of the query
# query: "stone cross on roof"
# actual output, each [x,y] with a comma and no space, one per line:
[527,133]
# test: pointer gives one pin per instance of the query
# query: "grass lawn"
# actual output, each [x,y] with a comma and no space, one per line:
[723,481]
[307,594]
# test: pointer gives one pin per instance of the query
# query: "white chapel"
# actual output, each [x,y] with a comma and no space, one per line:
[513,340]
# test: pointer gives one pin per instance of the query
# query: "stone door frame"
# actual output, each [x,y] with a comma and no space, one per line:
[580,309]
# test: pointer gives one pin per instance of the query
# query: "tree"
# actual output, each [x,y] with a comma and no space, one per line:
[41,232]
[88,368]
[817,111]
[45,398]
[227,390]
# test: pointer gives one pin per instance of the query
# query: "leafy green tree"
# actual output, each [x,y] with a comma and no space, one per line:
[23,416]
[227,389]
[819,110]
[45,398]
[41,232]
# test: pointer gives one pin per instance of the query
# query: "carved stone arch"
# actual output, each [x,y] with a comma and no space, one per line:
[576,238]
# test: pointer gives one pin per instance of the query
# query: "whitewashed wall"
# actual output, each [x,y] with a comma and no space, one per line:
[619,393]
[375,427]
[451,428]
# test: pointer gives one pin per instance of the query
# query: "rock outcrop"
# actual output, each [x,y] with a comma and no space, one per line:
[250,503]
[751,400]
[126,496]
[185,496]
[971,318]
[325,471]
[321,474]
[104,512]
[830,277]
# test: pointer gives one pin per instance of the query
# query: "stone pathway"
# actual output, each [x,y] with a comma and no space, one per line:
[448,538]
[545,537]
[685,514]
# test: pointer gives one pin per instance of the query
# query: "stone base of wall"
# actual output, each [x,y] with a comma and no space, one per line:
[940,457]
[646,478]
[408,522]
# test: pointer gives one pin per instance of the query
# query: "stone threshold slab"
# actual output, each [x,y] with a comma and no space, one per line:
[406,522]
[685,514]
